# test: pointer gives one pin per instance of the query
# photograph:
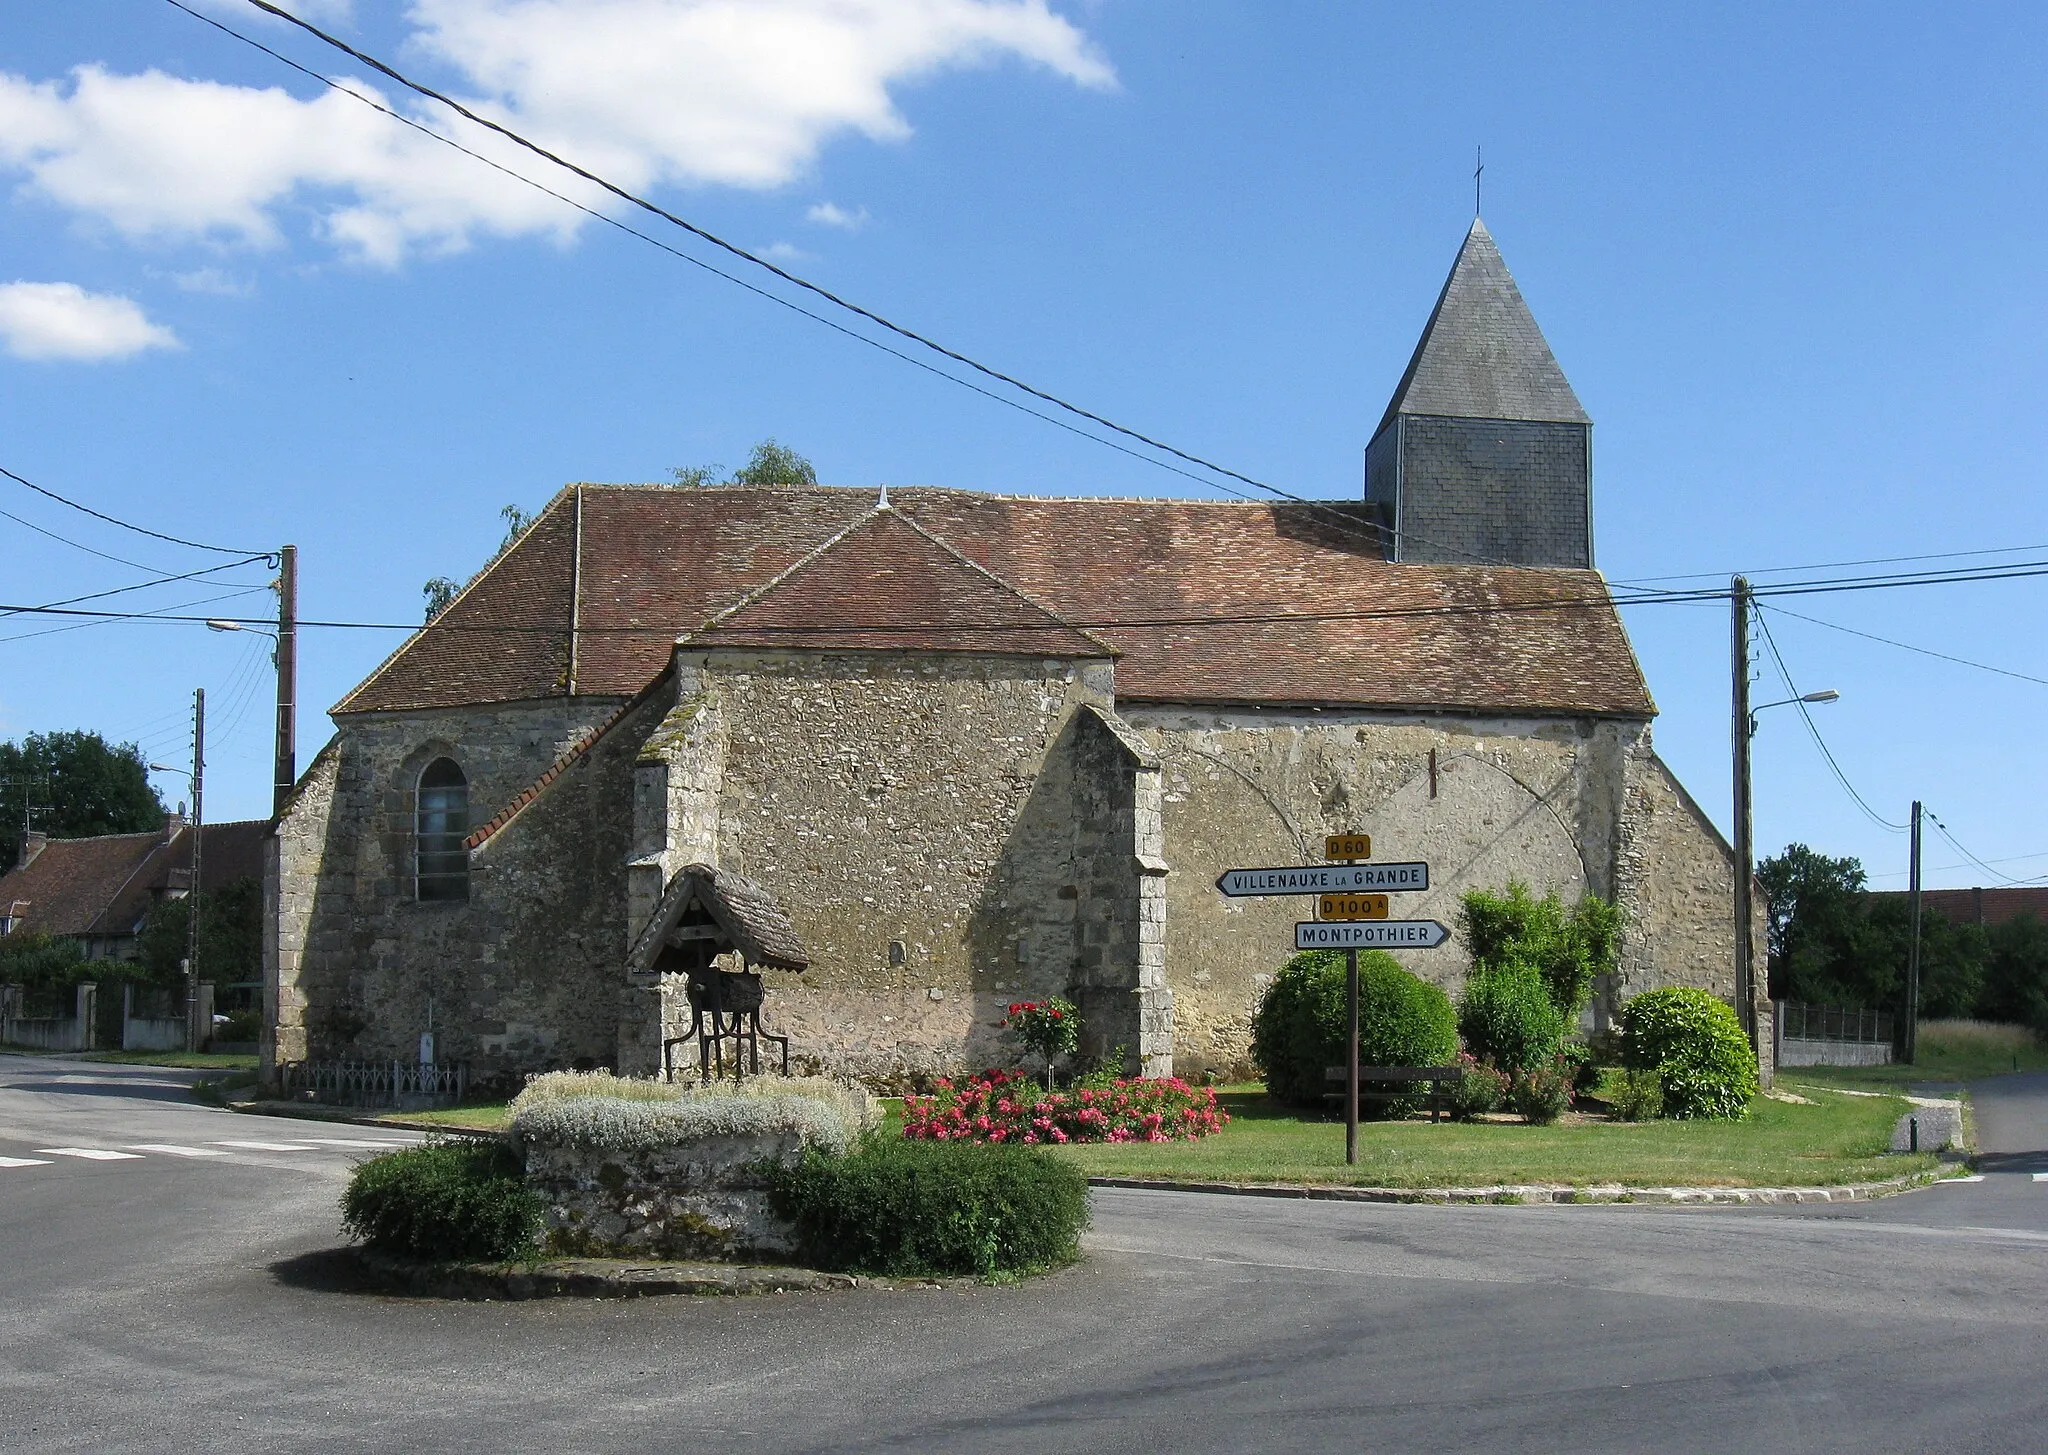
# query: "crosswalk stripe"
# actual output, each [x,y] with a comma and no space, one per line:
[92,1154]
[25,1162]
[354,1142]
[2041,1177]
[266,1146]
[172,1149]
[1973,1177]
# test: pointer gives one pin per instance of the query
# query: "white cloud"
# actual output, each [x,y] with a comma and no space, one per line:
[651,93]
[782,252]
[215,281]
[831,214]
[63,321]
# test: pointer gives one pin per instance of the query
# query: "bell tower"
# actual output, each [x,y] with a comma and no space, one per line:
[1484,455]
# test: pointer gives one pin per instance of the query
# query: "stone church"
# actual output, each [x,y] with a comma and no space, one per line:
[965,749]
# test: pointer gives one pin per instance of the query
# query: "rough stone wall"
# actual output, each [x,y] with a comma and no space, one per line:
[700,1199]
[915,816]
[292,857]
[516,975]
[1542,800]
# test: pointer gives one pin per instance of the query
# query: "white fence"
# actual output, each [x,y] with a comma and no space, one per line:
[373,1083]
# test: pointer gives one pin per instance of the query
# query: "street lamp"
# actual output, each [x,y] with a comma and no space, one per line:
[1826,694]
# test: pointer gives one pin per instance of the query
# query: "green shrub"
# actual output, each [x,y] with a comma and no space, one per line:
[1698,1049]
[1637,1096]
[1542,1094]
[901,1208]
[447,1201]
[1506,1017]
[1299,1029]
[241,1026]
[1479,1090]
[1568,949]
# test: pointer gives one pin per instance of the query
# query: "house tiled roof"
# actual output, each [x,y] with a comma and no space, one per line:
[1980,906]
[105,885]
[1481,355]
[1202,601]
[745,911]
[885,583]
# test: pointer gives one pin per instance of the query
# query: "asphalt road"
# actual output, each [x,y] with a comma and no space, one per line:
[167,1301]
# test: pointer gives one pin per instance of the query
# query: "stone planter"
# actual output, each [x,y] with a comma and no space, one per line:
[700,1199]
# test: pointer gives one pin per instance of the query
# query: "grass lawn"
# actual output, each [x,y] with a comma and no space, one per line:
[1948,1051]
[189,1060]
[1839,1139]
[483,1116]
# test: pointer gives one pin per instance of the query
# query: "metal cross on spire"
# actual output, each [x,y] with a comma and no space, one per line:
[1478,171]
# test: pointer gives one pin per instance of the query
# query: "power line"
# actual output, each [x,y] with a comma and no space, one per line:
[126,525]
[144,585]
[1814,728]
[75,545]
[104,618]
[1909,647]
[1957,846]
[1838,565]
[1328,509]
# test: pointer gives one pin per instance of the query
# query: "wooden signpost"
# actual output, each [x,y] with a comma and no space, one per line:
[1351,913]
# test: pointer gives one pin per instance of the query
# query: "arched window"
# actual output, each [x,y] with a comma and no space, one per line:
[441,862]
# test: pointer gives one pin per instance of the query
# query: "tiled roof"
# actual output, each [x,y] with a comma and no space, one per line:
[885,583]
[745,911]
[1481,355]
[1204,601]
[105,885]
[1962,906]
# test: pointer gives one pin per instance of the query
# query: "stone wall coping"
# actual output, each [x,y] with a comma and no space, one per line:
[1519,1193]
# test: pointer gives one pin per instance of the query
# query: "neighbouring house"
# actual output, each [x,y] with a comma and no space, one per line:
[1984,907]
[99,890]
[976,748]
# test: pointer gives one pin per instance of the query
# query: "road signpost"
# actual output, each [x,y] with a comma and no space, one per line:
[1352,914]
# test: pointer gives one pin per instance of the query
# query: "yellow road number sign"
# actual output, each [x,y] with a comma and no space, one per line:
[1347,846]
[1351,906]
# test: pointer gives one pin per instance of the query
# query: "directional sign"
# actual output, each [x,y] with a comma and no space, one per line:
[1323,879]
[1347,846]
[1352,906]
[1386,934]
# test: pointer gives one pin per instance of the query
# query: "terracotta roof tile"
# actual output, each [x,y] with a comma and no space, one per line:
[105,885]
[1205,601]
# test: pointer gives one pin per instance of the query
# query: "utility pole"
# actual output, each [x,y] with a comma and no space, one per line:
[1739,728]
[1913,947]
[193,1037]
[287,765]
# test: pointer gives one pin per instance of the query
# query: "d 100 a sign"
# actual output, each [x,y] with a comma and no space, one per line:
[1385,934]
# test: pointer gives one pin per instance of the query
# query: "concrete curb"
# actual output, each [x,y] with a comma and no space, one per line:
[599,1278]
[1522,1193]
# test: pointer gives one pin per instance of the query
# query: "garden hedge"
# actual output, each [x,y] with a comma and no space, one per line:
[1298,1031]
[904,1208]
[453,1201]
[1692,1040]
[1507,1018]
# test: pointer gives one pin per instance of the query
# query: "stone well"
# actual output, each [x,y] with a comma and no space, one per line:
[705,1198]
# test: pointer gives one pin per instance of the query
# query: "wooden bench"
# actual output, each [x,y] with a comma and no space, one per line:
[1436,1076]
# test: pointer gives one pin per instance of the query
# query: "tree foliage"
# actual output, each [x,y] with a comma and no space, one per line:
[73,785]
[2016,974]
[230,935]
[772,463]
[1567,949]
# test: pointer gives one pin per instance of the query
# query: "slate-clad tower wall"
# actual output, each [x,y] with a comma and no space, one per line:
[1484,455]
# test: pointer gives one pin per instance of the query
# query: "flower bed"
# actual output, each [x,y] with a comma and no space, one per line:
[1002,1106]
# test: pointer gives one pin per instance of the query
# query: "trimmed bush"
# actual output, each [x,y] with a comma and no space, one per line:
[1506,1017]
[1542,1094]
[620,1114]
[1570,949]
[1480,1090]
[1298,1031]
[447,1201]
[1698,1049]
[1002,1106]
[1637,1096]
[903,1208]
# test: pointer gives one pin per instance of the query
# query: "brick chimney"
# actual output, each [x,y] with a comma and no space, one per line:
[32,844]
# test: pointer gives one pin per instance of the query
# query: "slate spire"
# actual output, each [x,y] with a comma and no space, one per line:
[1484,455]
[1482,355]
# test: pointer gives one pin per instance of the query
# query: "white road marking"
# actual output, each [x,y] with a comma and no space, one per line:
[266,1146]
[2041,1177]
[25,1162]
[92,1154]
[355,1142]
[174,1150]
[1973,1177]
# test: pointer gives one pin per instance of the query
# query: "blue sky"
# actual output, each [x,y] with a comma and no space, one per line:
[1788,261]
